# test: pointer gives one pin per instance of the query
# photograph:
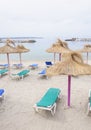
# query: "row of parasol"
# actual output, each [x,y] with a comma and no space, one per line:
[71,64]
[10,48]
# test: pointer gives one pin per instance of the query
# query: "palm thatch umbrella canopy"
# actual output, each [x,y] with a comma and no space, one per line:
[21,49]
[8,49]
[59,47]
[73,66]
[86,48]
[10,42]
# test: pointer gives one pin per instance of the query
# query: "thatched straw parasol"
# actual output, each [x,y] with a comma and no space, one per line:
[86,48]
[73,66]
[7,49]
[21,49]
[10,42]
[59,47]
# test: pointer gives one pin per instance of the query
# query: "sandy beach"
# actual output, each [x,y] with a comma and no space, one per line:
[17,112]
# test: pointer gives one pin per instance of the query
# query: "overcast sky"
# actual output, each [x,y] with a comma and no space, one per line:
[55,18]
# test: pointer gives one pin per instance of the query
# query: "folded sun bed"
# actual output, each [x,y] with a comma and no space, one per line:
[4,66]
[48,101]
[20,75]
[17,66]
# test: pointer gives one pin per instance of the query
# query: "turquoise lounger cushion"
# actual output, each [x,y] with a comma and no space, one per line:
[1,92]
[24,72]
[3,71]
[90,99]
[49,98]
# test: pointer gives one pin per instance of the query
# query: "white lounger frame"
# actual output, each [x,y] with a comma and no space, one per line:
[15,66]
[15,77]
[52,108]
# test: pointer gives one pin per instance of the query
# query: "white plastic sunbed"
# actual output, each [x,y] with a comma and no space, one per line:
[20,75]
[17,66]
[48,101]
[43,73]
[3,72]
[33,66]
[4,66]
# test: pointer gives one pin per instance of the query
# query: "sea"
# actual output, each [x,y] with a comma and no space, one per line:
[38,49]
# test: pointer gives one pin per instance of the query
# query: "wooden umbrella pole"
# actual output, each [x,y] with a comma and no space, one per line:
[69,88]
[20,58]
[54,57]
[59,56]
[87,57]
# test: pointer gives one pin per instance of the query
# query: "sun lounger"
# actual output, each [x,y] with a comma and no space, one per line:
[1,93]
[89,102]
[3,72]
[4,66]
[20,75]
[33,66]
[48,101]
[17,66]
[43,73]
[48,63]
